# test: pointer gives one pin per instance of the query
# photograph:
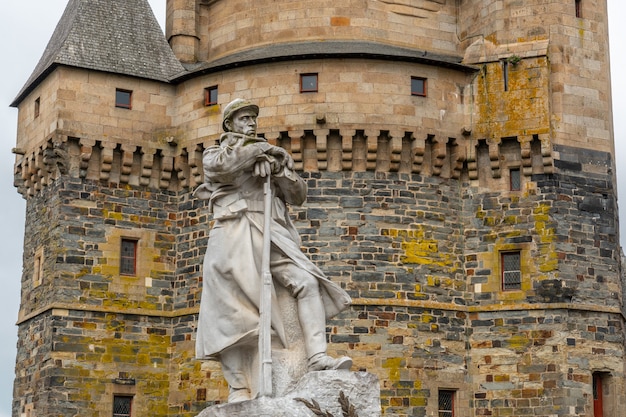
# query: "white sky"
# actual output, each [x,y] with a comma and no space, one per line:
[26,27]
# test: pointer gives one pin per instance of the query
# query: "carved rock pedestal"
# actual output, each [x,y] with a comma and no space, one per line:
[324,388]
[290,380]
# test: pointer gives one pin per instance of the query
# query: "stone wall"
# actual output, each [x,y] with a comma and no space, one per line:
[88,332]
[418,254]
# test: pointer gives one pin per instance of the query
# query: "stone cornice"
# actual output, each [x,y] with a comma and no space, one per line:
[64,308]
[323,49]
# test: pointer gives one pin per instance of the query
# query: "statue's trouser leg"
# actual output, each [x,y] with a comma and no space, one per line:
[313,322]
[311,312]
[305,288]
[239,366]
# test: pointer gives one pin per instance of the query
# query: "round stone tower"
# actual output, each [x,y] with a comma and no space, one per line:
[460,163]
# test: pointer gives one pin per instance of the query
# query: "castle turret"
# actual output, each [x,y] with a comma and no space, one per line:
[181,30]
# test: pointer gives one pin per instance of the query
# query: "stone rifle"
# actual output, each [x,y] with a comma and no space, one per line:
[265,306]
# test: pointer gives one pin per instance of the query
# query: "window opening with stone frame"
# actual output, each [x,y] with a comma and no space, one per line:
[122,405]
[510,265]
[446,403]
[515,179]
[128,257]
[579,8]
[418,86]
[210,96]
[308,83]
[38,268]
[37,106]
[505,74]
[123,98]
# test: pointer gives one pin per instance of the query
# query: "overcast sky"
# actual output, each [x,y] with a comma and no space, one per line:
[26,27]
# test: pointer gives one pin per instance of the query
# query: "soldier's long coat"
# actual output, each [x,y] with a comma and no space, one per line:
[229,308]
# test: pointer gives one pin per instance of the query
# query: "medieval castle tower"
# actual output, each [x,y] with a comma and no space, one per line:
[461,170]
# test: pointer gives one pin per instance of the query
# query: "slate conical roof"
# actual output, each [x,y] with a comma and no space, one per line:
[117,36]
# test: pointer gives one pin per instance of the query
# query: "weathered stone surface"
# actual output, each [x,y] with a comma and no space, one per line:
[360,388]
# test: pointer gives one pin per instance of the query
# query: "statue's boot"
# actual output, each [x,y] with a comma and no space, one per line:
[236,395]
[237,391]
[322,362]
[313,323]
[238,367]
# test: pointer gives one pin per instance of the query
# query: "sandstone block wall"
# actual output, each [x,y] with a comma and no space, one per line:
[223,27]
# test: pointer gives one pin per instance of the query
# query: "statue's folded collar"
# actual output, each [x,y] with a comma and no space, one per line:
[232,139]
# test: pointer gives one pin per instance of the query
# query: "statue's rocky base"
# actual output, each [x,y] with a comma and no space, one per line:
[323,388]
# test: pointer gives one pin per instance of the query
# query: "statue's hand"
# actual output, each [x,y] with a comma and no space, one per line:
[282,157]
[262,168]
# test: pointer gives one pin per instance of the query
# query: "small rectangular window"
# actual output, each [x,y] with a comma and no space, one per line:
[418,86]
[579,8]
[38,268]
[123,98]
[505,74]
[122,405]
[515,179]
[37,106]
[446,403]
[511,270]
[210,96]
[128,257]
[308,83]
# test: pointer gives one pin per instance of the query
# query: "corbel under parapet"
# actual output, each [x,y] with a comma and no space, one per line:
[194,159]
[346,148]
[295,140]
[167,167]
[147,163]
[86,151]
[494,157]
[525,142]
[546,153]
[418,149]
[396,139]
[126,166]
[439,151]
[321,145]
[106,160]
[458,157]
[371,148]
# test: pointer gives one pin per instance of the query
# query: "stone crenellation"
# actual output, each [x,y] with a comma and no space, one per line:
[319,150]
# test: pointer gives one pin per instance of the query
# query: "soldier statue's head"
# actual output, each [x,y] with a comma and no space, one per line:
[240,117]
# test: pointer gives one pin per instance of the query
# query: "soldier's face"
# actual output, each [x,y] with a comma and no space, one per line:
[244,121]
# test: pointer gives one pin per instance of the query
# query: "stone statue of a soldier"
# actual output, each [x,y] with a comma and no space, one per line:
[228,328]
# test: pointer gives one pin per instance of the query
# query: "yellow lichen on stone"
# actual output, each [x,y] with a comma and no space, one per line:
[519,342]
[419,249]
[548,259]
[518,104]
[418,401]
[394,365]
